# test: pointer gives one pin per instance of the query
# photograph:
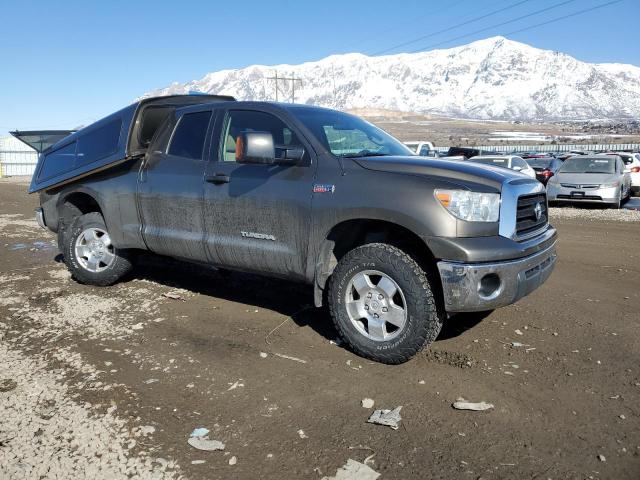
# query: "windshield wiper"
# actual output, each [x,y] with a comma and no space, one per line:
[365,154]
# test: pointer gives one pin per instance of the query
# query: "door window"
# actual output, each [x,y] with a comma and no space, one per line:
[239,121]
[188,137]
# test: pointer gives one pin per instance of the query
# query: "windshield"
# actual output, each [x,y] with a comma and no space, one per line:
[349,136]
[589,165]
[539,162]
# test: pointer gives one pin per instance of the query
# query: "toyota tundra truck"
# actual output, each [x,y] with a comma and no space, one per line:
[393,243]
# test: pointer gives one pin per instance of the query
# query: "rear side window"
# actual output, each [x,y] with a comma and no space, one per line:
[424,151]
[188,137]
[99,143]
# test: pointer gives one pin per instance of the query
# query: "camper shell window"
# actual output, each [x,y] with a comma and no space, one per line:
[99,143]
[58,161]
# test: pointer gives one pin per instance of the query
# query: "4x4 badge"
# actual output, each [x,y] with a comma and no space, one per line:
[324,188]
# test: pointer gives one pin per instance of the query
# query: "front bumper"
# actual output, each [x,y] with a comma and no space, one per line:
[40,217]
[559,193]
[472,287]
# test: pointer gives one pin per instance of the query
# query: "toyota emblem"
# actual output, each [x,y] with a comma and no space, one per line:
[538,211]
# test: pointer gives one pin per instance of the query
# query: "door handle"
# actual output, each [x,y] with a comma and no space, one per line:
[217,178]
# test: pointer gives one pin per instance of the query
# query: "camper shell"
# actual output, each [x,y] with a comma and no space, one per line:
[117,138]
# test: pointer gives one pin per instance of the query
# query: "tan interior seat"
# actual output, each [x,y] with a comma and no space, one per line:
[230,149]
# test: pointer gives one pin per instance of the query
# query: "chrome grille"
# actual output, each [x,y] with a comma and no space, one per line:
[527,220]
[579,186]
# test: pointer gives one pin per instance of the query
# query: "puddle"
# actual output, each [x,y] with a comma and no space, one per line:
[38,245]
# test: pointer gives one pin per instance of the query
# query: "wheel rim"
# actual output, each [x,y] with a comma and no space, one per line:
[94,250]
[376,305]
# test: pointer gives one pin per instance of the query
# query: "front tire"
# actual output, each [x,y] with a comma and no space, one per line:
[90,255]
[383,304]
[618,204]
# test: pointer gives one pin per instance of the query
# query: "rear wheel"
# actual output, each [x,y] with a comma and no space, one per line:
[90,254]
[382,304]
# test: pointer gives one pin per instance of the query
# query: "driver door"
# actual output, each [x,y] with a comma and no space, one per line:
[257,216]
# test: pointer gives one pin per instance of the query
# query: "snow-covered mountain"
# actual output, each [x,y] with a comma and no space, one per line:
[495,78]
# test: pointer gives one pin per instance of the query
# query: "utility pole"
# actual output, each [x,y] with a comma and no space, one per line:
[291,79]
[276,83]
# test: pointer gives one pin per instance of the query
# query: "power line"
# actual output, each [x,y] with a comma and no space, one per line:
[542,10]
[579,12]
[431,14]
[432,34]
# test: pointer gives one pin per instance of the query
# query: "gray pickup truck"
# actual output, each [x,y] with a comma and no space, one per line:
[392,242]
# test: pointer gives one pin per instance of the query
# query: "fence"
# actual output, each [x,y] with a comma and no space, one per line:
[614,147]
[16,158]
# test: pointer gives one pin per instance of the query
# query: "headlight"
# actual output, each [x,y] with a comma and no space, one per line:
[610,185]
[470,206]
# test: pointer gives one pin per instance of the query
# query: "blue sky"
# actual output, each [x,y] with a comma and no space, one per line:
[68,63]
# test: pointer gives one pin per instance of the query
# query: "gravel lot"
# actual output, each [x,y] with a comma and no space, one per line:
[597,214]
[109,383]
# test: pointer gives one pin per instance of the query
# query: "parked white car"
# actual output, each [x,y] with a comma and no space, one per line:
[423,149]
[512,162]
[632,167]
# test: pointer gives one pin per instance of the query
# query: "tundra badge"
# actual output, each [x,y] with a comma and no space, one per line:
[259,236]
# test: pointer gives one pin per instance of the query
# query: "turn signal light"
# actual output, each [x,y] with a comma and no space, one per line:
[635,169]
[444,198]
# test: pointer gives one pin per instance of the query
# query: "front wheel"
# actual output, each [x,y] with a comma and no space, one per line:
[618,203]
[90,254]
[383,304]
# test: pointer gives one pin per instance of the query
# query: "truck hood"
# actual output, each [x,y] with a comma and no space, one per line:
[587,178]
[448,170]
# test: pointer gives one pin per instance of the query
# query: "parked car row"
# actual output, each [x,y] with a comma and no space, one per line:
[608,178]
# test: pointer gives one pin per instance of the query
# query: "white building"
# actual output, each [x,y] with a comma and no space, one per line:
[16,158]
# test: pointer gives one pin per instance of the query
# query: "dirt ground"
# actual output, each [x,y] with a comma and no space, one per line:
[249,359]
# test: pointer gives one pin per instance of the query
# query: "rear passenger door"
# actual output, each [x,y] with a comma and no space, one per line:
[170,188]
[257,217]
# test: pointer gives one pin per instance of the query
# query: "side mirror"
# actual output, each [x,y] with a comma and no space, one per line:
[255,147]
[517,169]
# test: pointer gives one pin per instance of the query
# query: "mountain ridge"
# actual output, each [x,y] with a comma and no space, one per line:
[494,79]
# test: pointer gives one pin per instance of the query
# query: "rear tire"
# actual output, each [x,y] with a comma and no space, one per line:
[382,304]
[90,255]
